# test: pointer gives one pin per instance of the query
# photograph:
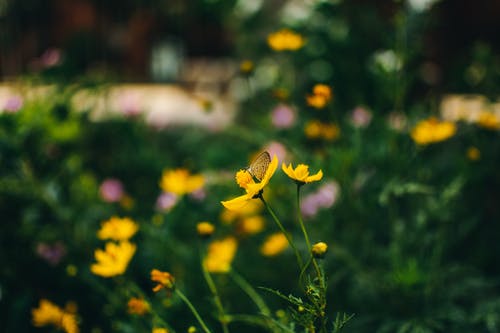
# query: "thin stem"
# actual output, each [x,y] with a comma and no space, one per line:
[193,310]
[306,236]
[250,291]
[215,295]
[275,218]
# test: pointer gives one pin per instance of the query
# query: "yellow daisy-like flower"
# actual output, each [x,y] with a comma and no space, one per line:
[220,255]
[119,229]
[114,259]
[48,313]
[274,245]
[165,280]
[253,189]
[301,173]
[285,40]
[138,306]
[180,181]
[488,120]
[432,130]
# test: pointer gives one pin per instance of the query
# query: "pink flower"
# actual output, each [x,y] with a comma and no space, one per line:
[361,117]
[111,190]
[278,149]
[198,195]
[50,57]
[310,205]
[51,253]
[327,194]
[397,121]
[166,201]
[13,104]
[283,116]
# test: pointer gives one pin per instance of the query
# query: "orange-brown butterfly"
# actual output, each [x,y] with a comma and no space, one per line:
[259,165]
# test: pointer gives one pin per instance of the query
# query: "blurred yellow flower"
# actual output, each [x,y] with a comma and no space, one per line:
[180,181]
[159,330]
[301,173]
[274,245]
[48,313]
[220,255]
[114,259]
[319,249]
[285,40]
[165,280]
[253,189]
[315,129]
[205,229]
[137,306]
[473,154]
[488,120]
[251,225]
[322,94]
[432,130]
[246,66]
[117,228]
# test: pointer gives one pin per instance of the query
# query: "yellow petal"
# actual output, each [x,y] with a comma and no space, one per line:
[237,203]
[315,177]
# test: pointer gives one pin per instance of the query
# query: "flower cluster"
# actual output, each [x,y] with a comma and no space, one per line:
[115,258]
[320,97]
[316,129]
[48,313]
[432,130]
[285,40]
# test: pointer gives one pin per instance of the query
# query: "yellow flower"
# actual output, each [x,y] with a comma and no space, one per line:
[165,280]
[322,94]
[319,249]
[285,40]
[48,313]
[330,132]
[253,189]
[180,181]
[137,306]
[116,228]
[159,330]
[473,154]
[274,245]
[313,129]
[488,120]
[251,225]
[205,229]
[246,66]
[301,173]
[432,130]
[220,255]
[114,259]
[228,216]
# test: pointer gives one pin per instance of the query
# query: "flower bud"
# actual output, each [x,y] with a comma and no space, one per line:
[205,229]
[319,249]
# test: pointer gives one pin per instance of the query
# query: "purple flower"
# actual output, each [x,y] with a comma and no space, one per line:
[276,148]
[327,194]
[50,57]
[111,190]
[310,205]
[13,104]
[283,116]
[198,195]
[51,253]
[361,117]
[166,201]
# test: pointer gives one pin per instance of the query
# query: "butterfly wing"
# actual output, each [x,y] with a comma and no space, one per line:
[259,165]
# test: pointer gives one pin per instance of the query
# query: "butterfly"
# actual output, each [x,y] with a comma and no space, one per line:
[259,165]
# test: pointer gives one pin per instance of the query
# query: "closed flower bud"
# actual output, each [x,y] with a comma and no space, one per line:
[205,229]
[319,249]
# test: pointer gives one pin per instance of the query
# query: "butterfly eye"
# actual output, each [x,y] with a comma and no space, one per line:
[259,165]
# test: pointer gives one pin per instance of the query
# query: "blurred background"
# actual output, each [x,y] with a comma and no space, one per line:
[99,98]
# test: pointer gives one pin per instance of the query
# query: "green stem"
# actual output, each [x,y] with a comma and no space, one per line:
[193,310]
[306,236]
[215,295]
[275,218]
[250,291]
